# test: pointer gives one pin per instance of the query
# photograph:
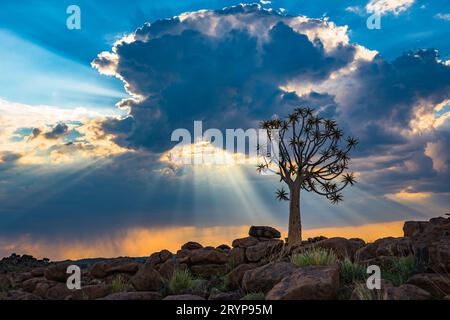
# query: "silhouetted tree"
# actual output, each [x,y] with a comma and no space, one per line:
[308,153]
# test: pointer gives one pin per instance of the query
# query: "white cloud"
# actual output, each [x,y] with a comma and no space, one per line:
[438,152]
[443,16]
[395,7]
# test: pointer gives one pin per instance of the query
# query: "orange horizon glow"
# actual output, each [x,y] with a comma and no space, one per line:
[140,242]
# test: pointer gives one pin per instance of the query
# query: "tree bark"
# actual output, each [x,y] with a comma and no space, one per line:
[295,223]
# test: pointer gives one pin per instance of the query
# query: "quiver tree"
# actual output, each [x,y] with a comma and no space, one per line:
[308,153]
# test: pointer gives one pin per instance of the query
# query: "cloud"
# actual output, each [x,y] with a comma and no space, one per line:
[48,134]
[233,67]
[224,67]
[395,7]
[443,16]
[230,68]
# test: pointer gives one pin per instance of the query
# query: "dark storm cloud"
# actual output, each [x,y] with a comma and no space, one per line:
[230,79]
[229,67]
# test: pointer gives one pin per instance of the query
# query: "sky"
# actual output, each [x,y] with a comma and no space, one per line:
[86,117]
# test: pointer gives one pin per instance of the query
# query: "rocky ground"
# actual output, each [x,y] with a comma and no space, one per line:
[260,266]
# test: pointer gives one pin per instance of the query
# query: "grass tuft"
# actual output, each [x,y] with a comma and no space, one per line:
[314,257]
[254,296]
[119,284]
[351,272]
[181,280]
[400,269]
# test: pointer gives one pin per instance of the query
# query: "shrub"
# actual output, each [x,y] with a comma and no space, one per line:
[400,269]
[314,257]
[363,293]
[180,280]
[254,296]
[352,272]
[118,284]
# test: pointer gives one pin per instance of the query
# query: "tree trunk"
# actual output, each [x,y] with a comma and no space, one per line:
[295,224]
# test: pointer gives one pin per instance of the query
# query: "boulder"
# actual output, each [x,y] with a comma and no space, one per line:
[41,289]
[264,232]
[20,295]
[38,272]
[406,292]
[167,268]
[342,247]
[263,249]
[59,292]
[91,292]
[184,297]
[30,284]
[308,283]
[140,295]
[224,247]
[5,282]
[57,272]
[378,251]
[431,243]
[244,242]
[438,285]
[191,246]
[103,269]
[413,228]
[159,257]
[147,279]
[262,279]
[236,275]
[237,256]
[209,270]
[208,256]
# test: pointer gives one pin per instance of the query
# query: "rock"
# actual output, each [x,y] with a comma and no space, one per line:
[41,289]
[57,272]
[342,247]
[263,249]
[316,239]
[237,256]
[232,295]
[412,228]
[140,295]
[167,268]
[224,247]
[438,285]
[406,292]
[431,243]
[208,256]
[38,272]
[244,242]
[21,277]
[59,292]
[236,275]
[91,292]
[264,232]
[120,265]
[30,284]
[263,278]
[5,282]
[159,257]
[147,279]
[19,264]
[376,252]
[184,297]
[20,295]
[209,270]
[191,246]
[308,283]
